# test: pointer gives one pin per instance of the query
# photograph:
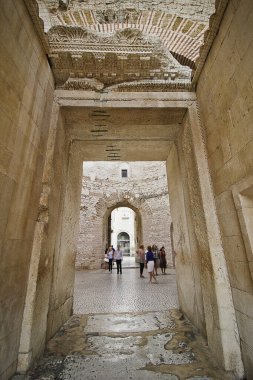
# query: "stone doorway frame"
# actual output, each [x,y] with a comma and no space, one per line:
[221,325]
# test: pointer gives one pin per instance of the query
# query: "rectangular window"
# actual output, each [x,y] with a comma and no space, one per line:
[124,173]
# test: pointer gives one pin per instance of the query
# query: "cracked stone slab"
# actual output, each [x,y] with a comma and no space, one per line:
[137,346]
[125,323]
[90,368]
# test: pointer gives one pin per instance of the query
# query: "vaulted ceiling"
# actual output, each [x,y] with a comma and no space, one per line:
[120,45]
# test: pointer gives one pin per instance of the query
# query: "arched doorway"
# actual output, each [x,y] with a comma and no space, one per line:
[123,226]
[123,240]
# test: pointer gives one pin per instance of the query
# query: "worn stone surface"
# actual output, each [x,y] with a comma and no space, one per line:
[168,350]
[119,342]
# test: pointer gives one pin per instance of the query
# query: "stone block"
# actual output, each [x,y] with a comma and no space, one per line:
[247,355]
[9,306]
[9,101]
[243,21]
[234,249]
[7,130]
[8,352]
[239,274]
[216,159]
[243,302]
[230,224]
[245,158]
[246,328]
[6,190]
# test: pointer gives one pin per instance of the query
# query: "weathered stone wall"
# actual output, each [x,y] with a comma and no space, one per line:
[103,188]
[186,213]
[42,321]
[63,229]
[225,95]
[26,97]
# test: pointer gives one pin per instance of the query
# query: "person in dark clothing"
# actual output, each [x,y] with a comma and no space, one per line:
[150,264]
[110,256]
[163,262]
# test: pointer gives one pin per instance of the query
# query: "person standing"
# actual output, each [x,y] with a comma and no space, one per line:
[150,264]
[110,256]
[106,261]
[163,262]
[118,257]
[141,256]
[155,253]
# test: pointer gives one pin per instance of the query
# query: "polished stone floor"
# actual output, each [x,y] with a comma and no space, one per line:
[125,328]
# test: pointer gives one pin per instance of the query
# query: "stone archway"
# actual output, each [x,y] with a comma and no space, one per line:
[90,250]
[138,224]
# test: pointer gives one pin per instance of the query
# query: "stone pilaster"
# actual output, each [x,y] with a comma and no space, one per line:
[25,355]
[227,325]
[61,301]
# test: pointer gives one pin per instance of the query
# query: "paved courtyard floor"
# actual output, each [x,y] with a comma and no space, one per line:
[103,292]
[125,328]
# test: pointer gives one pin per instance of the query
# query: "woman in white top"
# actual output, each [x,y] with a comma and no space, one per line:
[118,257]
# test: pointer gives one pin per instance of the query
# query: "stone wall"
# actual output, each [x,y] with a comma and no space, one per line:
[145,190]
[63,229]
[42,321]
[225,95]
[186,213]
[26,97]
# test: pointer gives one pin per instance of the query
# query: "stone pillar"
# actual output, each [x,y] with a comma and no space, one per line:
[226,324]
[25,355]
[187,259]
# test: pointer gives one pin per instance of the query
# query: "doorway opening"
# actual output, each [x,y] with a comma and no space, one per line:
[124,230]
[129,211]
[123,240]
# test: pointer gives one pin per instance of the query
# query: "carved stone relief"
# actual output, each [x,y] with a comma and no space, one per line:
[79,55]
[180,30]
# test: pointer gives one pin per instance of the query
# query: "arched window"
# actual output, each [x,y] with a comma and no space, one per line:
[123,240]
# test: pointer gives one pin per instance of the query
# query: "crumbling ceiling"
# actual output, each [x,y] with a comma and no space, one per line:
[116,45]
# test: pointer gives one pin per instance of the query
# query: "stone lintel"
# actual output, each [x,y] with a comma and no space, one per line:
[129,100]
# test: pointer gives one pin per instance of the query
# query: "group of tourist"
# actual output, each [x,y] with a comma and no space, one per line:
[153,258]
[111,255]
